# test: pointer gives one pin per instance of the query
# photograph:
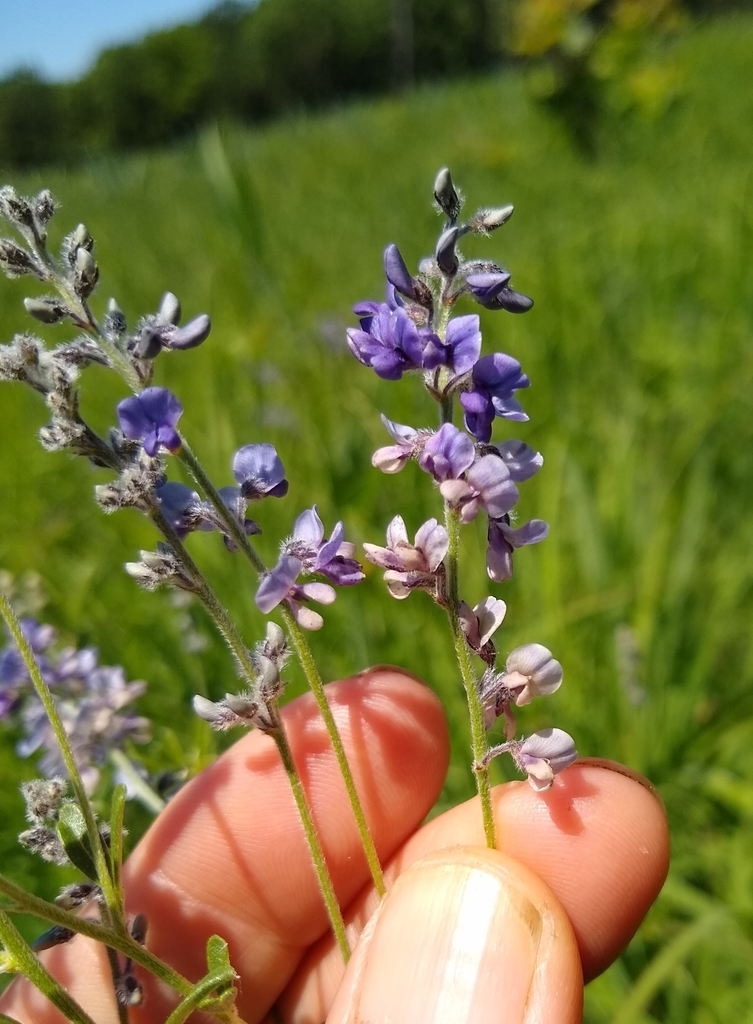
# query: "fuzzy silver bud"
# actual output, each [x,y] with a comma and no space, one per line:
[45,206]
[87,272]
[485,221]
[114,321]
[14,208]
[275,646]
[48,310]
[82,239]
[76,895]
[15,261]
[42,798]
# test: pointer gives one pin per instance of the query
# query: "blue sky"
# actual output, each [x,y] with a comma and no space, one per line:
[61,38]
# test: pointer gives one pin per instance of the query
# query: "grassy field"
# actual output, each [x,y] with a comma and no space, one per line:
[639,350]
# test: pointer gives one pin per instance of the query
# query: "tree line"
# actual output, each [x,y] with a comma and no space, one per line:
[248,63]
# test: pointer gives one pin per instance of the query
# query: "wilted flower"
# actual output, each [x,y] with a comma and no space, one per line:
[151,416]
[410,566]
[480,622]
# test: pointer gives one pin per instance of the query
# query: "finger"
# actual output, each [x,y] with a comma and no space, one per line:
[464,935]
[598,839]
[228,856]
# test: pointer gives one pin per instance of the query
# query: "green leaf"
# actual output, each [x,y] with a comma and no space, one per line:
[73,835]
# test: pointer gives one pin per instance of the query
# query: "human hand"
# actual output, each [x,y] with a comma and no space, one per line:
[465,934]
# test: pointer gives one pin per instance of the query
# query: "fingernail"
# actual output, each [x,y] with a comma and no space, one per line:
[455,942]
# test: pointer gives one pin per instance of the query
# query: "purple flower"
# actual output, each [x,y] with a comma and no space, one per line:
[495,379]
[410,566]
[410,444]
[487,485]
[503,540]
[391,344]
[461,347]
[333,558]
[179,505]
[493,292]
[259,472]
[368,309]
[447,454]
[151,416]
[280,585]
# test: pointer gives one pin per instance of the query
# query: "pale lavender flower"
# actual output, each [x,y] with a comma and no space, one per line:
[409,445]
[486,486]
[504,539]
[447,454]
[280,585]
[333,558]
[151,416]
[480,622]
[410,566]
[541,756]
[521,460]
[495,379]
[531,671]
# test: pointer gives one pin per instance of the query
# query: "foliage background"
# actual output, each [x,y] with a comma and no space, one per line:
[639,349]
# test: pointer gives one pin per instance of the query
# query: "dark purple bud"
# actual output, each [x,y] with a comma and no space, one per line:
[445,254]
[191,335]
[176,502]
[149,342]
[151,416]
[397,272]
[493,292]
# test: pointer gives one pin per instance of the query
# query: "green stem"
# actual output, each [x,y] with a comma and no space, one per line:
[475,708]
[232,637]
[43,691]
[305,657]
[27,963]
[316,685]
[314,843]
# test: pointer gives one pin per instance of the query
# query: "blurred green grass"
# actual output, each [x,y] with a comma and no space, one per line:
[639,350]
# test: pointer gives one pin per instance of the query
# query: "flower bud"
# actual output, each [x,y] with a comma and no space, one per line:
[485,221]
[47,310]
[446,257]
[14,208]
[87,272]
[191,335]
[445,195]
[169,308]
[45,206]
[15,261]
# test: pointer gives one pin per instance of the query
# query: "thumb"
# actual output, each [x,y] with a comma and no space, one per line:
[465,934]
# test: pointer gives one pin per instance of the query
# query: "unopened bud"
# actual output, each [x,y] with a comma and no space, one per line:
[446,257]
[54,936]
[45,206]
[15,261]
[15,208]
[47,310]
[487,220]
[82,239]
[169,308]
[191,334]
[447,198]
[87,272]
[114,321]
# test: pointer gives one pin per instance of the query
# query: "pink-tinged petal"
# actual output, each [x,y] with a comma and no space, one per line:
[396,532]
[306,617]
[554,745]
[540,775]
[346,550]
[385,558]
[322,593]
[391,459]
[455,491]
[432,539]
[396,584]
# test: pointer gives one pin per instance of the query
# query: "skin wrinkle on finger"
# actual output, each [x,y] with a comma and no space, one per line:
[598,839]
